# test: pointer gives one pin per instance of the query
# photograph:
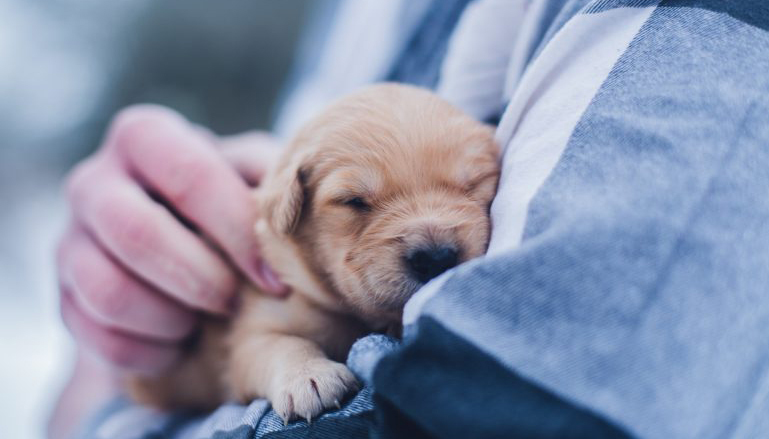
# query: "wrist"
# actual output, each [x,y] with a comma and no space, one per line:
[90,385]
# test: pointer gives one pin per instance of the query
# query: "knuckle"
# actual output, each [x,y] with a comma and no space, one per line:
[134,123]
[186,177]
[131,230]
[109,297]
[142,115]
[130,235]
[79,180]
[133,238]
[106,290]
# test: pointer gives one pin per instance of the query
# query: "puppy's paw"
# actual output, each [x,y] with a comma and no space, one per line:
[308,389]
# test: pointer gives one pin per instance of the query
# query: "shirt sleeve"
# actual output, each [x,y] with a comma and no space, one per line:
[625,288]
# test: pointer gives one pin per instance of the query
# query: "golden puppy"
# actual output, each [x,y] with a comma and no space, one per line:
[386,189]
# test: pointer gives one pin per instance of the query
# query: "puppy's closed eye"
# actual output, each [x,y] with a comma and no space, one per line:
[384,191]
[358,204]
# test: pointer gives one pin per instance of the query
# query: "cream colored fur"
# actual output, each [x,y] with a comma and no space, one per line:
[378,173]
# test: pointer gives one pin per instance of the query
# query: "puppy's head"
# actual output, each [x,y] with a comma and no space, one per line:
[385,190]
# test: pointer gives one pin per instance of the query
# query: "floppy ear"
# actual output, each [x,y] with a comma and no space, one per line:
[283,198]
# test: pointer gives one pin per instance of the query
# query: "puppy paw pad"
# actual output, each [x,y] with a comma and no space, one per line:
[307,390]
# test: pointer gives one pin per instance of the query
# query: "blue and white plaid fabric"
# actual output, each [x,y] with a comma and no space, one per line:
[626,289]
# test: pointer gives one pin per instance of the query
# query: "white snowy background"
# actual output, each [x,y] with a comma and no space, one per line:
[65,67]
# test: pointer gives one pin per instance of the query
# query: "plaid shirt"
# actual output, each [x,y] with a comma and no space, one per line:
[625,289]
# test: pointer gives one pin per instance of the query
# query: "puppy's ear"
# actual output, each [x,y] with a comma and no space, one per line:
[284,196]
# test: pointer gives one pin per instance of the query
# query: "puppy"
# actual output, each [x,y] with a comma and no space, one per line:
[383,191]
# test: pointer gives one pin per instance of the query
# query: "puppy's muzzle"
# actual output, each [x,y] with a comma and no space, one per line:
[425,263]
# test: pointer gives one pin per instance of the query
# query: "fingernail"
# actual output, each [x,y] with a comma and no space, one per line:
[270,279]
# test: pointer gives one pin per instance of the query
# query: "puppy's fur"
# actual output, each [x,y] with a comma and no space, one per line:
[378,177]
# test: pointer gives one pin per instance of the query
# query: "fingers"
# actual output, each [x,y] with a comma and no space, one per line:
[179,163]
[251,154]
[146,239]
[114,298]
[126,352]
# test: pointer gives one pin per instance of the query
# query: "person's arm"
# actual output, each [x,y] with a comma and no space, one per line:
[626,290]
[91,384]
[161,231]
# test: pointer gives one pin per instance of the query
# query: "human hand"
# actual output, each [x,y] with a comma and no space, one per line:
[132,272]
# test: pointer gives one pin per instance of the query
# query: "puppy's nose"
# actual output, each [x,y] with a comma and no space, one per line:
[428,262]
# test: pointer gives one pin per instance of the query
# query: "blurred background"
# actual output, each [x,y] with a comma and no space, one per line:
[66,66]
